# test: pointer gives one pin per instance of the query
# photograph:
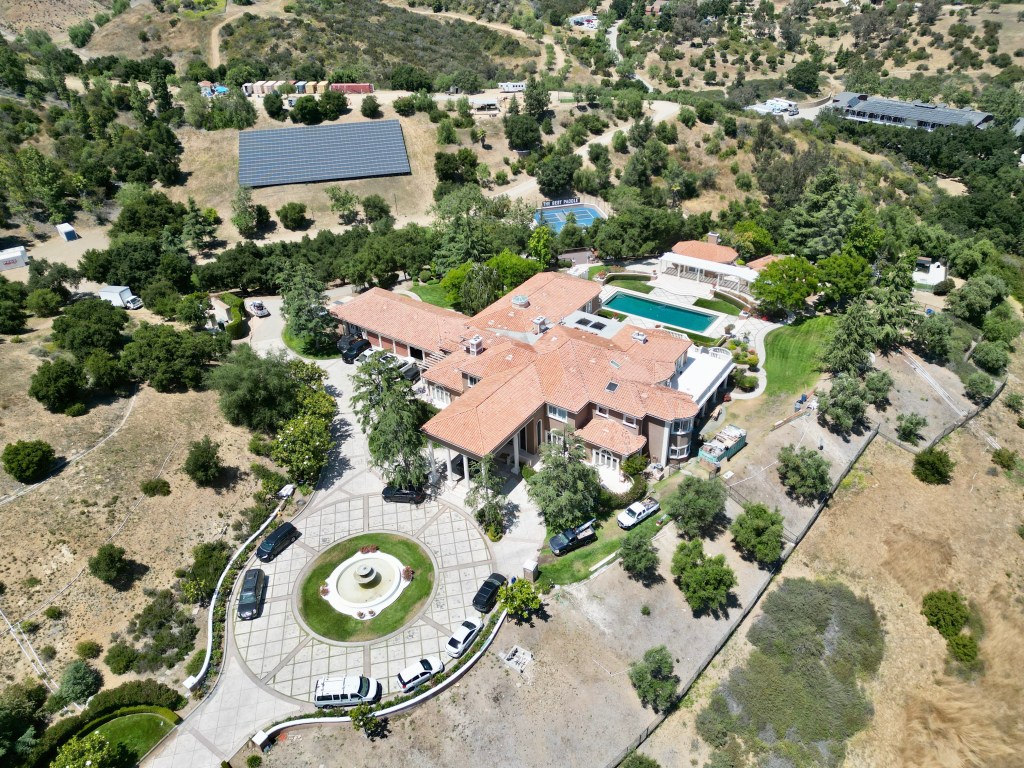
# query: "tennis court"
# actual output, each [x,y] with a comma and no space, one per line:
[555,217]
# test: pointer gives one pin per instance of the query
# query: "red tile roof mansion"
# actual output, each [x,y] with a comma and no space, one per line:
[540,360]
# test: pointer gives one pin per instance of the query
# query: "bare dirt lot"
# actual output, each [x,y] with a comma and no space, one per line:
[572,706]
[894,539]
[18,15]
[53,530]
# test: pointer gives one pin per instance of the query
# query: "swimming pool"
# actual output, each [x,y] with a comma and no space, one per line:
[555,217]
[678,317]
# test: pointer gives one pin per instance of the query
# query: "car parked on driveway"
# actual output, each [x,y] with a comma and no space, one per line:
[277,542]
[258,309]
[417,674]
[404,495]
[250,598]
[487,595]
[353,349]
[463,636]
[346,691]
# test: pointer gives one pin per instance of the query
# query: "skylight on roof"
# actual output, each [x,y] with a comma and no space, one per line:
[615,364]
[598,326]
[612,386]
[583,321]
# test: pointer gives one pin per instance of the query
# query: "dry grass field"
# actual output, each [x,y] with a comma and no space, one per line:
[894,539]
[51,531]
[54,17]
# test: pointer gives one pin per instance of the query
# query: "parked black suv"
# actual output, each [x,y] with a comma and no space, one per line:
[404,495]
[253,584]
[277,542]
[354,349]
[487,595]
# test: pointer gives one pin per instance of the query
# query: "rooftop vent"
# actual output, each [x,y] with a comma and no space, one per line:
[521,300]
[640,336]
[540,324]
[475,345]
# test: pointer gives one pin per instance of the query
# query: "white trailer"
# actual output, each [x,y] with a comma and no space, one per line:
[12,258]
[120,296]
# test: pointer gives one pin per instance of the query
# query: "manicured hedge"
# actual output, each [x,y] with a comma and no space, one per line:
[147,693]
[237,328]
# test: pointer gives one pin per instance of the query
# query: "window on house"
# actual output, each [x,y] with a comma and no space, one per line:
[600,410]
[678,451]
[555,436]
[555,412]
[629,421]
[472,381]
[680,426]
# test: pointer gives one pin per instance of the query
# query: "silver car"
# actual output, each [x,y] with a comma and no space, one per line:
[417,674]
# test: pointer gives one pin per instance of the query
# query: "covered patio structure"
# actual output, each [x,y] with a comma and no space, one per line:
[720,276]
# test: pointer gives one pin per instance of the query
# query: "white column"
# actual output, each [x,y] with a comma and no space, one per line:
[515,452]
[664,446]
[448,463]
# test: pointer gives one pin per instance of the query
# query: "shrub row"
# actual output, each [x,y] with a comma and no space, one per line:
[613,501]
[135,693]
[237,328]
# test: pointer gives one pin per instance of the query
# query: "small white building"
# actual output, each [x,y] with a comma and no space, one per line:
[934,274]
[67,231]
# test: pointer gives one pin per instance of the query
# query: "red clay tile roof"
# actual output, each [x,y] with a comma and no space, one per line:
[552,295]
[610,434]
[698,249]
[422,325]
[758,264]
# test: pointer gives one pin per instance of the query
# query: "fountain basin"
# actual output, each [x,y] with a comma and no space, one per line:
[364,584]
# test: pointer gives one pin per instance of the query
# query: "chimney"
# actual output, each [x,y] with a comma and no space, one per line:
[713,238]
[540,324]
[476,345]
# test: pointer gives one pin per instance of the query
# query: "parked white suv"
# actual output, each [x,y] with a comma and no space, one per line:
[346,691]
[417,674]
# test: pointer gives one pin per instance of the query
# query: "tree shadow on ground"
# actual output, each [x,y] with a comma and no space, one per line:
[132,571]
[510,516]
[719,613]
[648,579]
[719,524]
[337,462]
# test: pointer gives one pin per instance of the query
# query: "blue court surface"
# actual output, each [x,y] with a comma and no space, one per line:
[555,217]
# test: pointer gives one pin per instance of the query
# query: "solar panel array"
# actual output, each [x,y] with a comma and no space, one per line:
[321,153]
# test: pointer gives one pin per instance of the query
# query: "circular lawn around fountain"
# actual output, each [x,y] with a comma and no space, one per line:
[325,621]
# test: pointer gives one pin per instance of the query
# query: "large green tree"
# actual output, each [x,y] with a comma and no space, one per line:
[58,384]
[256,391]
[22,719]
[304,306]
[92,750]
[12,306]
[843,276]
[819,223]
[654,680]
[695,505]
[566,490]
[851,340]
[804,472]
[844,405]
[303,446]
[485,497]
[171,360]
[481,287]
[705,581]
[90,324]
[785,285]
[757,532]
[638,556]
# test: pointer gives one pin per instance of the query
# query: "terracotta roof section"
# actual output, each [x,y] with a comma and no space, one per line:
[486,417]
[500,355]
[698,249]
[551,295]
[610,434]
[422,325]
[758,264]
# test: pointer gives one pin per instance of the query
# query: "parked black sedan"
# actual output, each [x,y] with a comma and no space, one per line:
[353,349]
[404,495]
[251,597]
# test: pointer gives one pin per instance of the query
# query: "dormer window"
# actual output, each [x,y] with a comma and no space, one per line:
[472,381]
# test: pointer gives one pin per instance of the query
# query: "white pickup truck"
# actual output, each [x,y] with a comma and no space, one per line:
[637,512]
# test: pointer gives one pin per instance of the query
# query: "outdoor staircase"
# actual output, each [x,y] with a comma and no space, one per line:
[430,361]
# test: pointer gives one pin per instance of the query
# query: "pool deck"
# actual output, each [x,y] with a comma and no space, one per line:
[715,330]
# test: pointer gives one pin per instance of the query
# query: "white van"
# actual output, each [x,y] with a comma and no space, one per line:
[346,691]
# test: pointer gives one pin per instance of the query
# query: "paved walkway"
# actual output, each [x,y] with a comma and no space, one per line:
[272,663]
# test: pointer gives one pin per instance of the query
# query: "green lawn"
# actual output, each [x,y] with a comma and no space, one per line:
[792,355]
[717,305]
[432,294]
[576,565]
[591,271]
[632,284]
[138,733]
[326,621]
[300,346]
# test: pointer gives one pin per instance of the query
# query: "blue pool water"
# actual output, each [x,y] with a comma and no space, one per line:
[679,317]
[555,217]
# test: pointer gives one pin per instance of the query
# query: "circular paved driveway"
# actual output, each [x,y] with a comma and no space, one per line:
[280,653]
